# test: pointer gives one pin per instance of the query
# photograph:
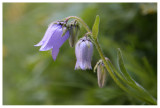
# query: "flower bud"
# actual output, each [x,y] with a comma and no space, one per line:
[84,52]
[73,30]
[101,73]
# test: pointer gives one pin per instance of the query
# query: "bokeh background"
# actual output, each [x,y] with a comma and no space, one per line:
[31,77]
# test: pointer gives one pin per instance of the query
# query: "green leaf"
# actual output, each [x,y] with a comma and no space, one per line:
[133,88]
[95,28]
[133,85]
[122,67]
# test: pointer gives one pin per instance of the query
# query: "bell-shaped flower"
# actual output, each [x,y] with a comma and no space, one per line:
[84,52]
[54,38]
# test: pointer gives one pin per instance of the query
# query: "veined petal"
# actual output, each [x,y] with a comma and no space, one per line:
[49,41]
[48,33]
[83,55]
[58,43]
[84,52]
[90,52]
[77,50]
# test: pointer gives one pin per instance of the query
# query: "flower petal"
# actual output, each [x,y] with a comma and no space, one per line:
[77,50]
[77,65]
[48,33]
[55,53]
[89,55]
[58,42]
[83,55]
[51,39]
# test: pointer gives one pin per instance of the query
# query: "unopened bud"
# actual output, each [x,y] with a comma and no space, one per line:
[101,73]
[74,29]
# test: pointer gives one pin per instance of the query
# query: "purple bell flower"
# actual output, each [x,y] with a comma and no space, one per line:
[53,39]
[84,52]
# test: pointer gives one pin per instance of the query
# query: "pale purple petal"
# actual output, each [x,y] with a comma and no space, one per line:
[55,53]
[83,51]
[83,55]
[49,41]
[77,47]
[58,43]
[48,33]
[77,65]
[89,56]
[77,52]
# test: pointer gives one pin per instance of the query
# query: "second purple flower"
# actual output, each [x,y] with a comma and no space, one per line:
[84,52]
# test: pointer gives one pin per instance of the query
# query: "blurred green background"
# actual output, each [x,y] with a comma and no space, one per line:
[31,77]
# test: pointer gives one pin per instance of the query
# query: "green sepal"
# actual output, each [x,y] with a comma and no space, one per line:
[65,29]
[95,67]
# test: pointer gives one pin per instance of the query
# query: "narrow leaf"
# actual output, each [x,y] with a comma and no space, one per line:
[95,28]
[133,88]
[122,67]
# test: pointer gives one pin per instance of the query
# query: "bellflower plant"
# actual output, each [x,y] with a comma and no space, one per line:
[58,32]
[84,52]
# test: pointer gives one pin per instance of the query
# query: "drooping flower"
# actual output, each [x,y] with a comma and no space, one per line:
[54,38]
[101,73]
[84,52]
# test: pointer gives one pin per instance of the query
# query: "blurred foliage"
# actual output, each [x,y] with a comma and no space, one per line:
[31,77]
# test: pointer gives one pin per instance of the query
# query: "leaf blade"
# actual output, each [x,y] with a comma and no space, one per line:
[95,28]
[122,67]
